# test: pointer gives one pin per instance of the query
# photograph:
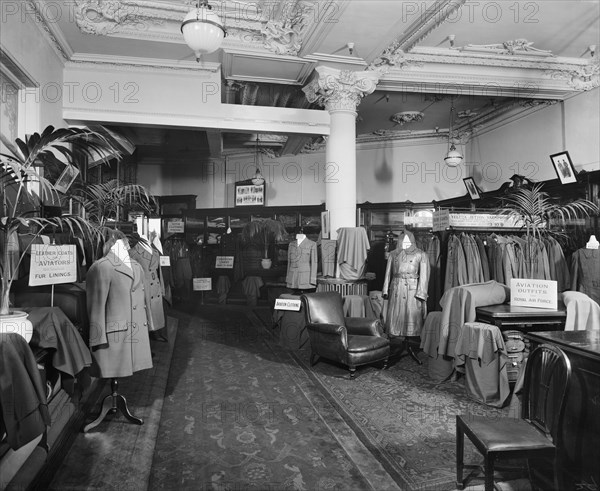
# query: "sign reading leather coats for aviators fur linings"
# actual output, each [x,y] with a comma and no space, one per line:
[52,264]
[534,293]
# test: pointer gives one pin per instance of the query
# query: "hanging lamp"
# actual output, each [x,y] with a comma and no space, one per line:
[453,157]
[258,179]
[202,29]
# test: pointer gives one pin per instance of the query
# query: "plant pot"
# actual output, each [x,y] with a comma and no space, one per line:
[16,322]
[266,263]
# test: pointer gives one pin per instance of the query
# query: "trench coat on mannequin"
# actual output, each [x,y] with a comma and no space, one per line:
[406,282]
[118,306]
[150,263]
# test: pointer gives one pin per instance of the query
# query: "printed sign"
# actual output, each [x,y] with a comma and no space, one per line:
[287,304]
[175,226]
[224,262]
[485,220]
[534,293]
[440,220]
[52,264]
[165,260]
[202,284]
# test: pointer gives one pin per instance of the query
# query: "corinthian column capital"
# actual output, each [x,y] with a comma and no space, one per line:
[340,90]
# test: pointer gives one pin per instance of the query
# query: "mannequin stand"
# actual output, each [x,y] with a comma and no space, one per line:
[407,349]
[111,404]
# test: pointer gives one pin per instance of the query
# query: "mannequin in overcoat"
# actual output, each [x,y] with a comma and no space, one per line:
[302,263]
[405,285]
[118,304]
[149,259]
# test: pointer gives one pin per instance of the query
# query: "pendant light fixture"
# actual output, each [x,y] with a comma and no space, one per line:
[258,179]
[453,157]
[202,29]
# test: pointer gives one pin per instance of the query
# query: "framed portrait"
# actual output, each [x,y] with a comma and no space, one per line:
[249,194]
[64,181]
[471,188]
[564,167]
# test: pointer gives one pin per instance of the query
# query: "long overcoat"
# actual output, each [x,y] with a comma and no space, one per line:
[150,262]
[406,282]
[119,313]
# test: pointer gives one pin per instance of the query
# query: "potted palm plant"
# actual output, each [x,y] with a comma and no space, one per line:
[25,189]
[536,210]
[264,234]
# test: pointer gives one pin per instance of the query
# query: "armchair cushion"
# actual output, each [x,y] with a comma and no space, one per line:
[362,344]
[324,308]
[363,326]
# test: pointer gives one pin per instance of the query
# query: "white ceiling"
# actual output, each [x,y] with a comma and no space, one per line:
[424,71]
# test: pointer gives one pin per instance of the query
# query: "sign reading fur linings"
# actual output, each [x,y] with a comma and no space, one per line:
[52,264]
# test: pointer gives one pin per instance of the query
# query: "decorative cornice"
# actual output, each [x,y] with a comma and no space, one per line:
[434,16]
[340,90]
[517,46]
[585,77]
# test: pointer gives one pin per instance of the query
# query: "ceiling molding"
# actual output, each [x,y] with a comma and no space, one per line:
[49,28]
[129,63]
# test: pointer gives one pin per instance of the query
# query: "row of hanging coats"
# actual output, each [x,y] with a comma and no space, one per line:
[475,258]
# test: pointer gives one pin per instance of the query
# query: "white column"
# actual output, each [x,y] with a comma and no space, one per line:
[341,91]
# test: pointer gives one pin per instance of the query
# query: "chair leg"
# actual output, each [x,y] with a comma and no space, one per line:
[460,445]
[314,358]
[385,364]
[489,472]
[352,372]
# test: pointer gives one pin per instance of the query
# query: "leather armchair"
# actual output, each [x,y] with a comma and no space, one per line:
[351,341]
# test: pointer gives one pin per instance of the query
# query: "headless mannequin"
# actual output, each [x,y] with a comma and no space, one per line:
[592,243]
[114,401]
[120,249]
[300,238]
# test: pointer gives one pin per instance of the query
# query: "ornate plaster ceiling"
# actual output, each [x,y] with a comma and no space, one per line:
[492,60]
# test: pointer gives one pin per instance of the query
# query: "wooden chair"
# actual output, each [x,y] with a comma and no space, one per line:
[537,435]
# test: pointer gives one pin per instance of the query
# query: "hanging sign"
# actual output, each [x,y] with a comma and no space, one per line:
[287,304]
[484,220]
[165,260]
[440,220]
[176,226]
[224,262]
[202,284]
[52,264]
[534,293]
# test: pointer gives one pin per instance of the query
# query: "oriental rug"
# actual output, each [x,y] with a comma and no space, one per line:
[240,413]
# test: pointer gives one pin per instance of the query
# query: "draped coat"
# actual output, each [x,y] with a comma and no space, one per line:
[118,304]
[406,282]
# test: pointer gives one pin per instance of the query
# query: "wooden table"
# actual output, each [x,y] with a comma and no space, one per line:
[527,319]
[579,455]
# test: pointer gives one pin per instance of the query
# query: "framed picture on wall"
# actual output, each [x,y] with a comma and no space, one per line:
[564,167]
[249,194]
[471,188]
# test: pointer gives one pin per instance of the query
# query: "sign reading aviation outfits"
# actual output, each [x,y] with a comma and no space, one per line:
[52,264]
[534,293]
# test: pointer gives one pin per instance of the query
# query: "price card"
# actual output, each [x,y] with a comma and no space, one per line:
[224,262]
[202,284]
[165,260]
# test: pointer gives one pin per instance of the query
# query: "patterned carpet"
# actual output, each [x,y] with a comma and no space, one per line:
[240,413]
[405,420]
[116,455]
